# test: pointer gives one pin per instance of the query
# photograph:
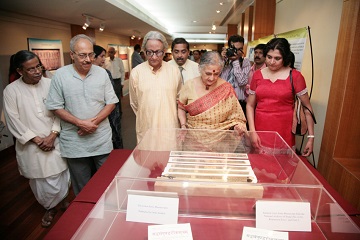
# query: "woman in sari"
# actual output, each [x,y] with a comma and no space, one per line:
[208,101]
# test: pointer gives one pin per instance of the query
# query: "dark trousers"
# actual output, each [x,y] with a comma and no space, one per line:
[243,106]
[118,91]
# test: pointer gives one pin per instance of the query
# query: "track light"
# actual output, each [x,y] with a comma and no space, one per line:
[102,27]
[213,27]
[91,19]
[87,23]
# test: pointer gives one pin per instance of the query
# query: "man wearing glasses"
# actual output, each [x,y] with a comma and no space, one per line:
[153,88]
[36,131]
[82,96]
[236,70]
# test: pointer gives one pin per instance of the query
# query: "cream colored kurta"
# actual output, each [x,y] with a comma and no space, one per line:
[153,97]
[27,117]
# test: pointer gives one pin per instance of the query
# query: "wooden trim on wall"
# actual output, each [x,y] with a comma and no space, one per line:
[341,137]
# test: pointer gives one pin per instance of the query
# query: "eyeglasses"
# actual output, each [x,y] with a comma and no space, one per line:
[34,69]
[151,53]
[83,56]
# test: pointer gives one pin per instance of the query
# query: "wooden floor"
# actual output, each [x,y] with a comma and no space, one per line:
[20,213]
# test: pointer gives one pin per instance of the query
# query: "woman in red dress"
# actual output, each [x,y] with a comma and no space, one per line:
[270,104]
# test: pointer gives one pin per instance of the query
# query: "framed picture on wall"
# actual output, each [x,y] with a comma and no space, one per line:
[50,52]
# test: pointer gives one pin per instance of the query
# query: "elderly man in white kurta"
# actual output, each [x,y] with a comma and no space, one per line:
[154,86]
[36,130]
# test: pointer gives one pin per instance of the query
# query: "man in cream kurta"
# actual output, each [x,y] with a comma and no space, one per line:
[154,86]
[36,131]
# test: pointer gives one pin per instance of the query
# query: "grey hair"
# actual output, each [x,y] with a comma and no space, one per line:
[74,40]
[211,58]
[155,35]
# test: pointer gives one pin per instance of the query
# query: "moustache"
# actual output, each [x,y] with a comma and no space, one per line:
[182,59]
[257,58]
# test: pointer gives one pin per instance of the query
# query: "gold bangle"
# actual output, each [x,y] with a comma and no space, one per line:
[56,132]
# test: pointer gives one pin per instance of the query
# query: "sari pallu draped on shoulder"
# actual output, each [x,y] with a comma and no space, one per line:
[219,109]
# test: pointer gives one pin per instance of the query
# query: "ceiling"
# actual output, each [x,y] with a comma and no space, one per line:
[174,18]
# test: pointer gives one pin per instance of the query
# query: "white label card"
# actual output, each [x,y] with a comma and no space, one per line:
[250,233]
[170,231]
[283,216]
[149,208]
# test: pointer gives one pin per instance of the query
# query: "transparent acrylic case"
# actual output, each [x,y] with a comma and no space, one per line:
[216,209]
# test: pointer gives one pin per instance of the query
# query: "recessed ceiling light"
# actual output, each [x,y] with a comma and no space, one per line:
[194,21]
[221,3]
[217,11]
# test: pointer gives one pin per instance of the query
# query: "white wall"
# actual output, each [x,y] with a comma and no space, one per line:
[323,17]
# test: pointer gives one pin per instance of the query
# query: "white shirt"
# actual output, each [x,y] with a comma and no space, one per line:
[116,67]
[191,69]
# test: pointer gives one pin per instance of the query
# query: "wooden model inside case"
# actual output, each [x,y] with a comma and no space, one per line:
[212,171]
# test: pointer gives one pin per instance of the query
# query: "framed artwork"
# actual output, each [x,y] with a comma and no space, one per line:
[50,52]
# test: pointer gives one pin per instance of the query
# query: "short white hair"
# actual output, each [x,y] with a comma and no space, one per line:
[155,35]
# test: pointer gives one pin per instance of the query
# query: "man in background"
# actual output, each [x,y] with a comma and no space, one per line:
[36,131]
[135,57]
[259,63]
[82,96]
[116,66]
[153,88]
[180,51]
[237,68]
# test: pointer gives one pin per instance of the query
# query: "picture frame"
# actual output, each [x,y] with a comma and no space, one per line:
[50,52]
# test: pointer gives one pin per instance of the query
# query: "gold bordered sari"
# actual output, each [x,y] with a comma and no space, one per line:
[219,109]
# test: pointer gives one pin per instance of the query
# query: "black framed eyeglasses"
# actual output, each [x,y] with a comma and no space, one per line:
[150,53]
[83,56]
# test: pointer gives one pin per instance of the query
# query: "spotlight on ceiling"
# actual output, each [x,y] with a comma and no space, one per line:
[102,27]
[87,22]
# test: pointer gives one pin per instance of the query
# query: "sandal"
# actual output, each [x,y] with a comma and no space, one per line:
[48,217]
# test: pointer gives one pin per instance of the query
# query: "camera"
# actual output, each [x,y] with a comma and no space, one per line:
[231,51]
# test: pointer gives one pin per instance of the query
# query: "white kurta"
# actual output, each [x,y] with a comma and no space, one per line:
[27,117]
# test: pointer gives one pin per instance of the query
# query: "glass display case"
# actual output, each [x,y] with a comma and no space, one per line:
[218,176]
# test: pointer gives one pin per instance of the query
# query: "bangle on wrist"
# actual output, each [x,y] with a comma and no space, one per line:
[183,125]
[56,132]
[310,136]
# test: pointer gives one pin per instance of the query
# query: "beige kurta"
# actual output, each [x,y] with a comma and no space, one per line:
[27,117]
[153,97]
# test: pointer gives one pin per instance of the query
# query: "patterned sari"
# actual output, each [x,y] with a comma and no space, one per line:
[219,109]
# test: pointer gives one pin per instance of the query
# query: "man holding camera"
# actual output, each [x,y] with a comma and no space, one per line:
[237,68]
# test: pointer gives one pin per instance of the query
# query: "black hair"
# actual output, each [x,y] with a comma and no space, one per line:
[137,47]
[292,60]
[234,39]
[260,46]
[283,46]
[179,41]
[98,50]
[23,56]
